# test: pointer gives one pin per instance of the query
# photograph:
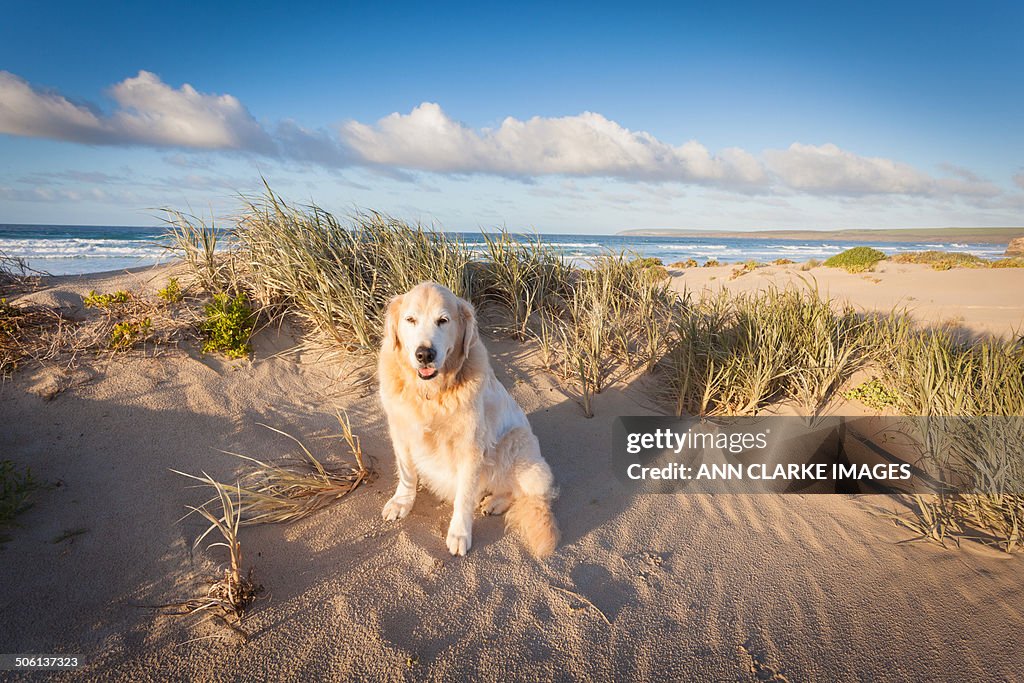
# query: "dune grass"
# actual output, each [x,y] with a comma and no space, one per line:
[933,372]
[736,354]
[205,250]
[969,403]
[946,260]
[614,321]
[336,279]
[521,278]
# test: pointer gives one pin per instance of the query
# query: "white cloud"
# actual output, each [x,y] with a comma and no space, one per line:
[32,113]
[155,113]
[585,145]
[827,169]
[149,113]
[588,145]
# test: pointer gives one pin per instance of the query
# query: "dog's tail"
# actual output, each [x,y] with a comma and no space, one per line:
[532,491]
[531,517]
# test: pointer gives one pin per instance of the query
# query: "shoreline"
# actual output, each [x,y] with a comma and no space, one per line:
[63,254]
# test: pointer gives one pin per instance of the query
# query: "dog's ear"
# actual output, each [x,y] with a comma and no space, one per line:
[390,339]
[467,319]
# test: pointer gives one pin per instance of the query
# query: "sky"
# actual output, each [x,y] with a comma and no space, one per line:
[586,118]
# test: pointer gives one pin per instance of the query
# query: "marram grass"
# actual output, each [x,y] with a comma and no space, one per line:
[736,354]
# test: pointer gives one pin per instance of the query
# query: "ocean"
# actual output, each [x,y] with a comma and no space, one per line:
[78,249]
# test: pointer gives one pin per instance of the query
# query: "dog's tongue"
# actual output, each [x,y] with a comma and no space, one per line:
[426,372]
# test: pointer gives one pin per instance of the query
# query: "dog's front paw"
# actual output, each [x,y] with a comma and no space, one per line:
[397,508]
[458,543]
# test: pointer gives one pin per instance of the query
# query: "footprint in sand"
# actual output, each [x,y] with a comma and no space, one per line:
[757,665]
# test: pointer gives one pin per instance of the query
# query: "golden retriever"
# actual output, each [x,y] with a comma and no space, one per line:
[454,426]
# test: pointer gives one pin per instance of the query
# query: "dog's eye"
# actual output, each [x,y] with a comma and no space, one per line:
[410,320]
[442,321]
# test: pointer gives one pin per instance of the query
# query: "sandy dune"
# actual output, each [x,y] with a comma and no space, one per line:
[681,586]
[989,301]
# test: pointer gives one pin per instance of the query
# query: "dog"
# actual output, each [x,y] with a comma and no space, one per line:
[455,427]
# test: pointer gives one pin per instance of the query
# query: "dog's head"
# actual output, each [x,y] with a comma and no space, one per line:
[431,329]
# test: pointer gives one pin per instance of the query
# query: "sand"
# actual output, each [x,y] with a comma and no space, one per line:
[683,586]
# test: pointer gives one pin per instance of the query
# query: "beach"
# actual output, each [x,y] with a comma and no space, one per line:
[702,587]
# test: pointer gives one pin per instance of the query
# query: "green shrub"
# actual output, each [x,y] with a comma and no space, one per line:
[172,292]
[874,394]
[652,266]
[711,263]
[810,263]
[94,300]
[942,260]
[1009,262]
[8,316]
[688,263]
[744,268]
[228,325]
[15,487]
[128,333]
[856,260]
[782,262]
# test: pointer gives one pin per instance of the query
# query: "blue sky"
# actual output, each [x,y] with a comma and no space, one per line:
[586,118]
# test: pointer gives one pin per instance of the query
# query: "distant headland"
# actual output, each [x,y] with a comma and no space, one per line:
[975,235]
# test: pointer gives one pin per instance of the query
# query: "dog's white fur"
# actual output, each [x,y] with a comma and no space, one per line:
[455,427]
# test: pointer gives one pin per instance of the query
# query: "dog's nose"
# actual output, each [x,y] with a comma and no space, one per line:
[425,354]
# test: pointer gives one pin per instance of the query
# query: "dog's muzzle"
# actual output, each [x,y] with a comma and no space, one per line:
[425,356]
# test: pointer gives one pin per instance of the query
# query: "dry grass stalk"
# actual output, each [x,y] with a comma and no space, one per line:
[43,334]
[230,596]
[30,332]
[277,494]
[16,275]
